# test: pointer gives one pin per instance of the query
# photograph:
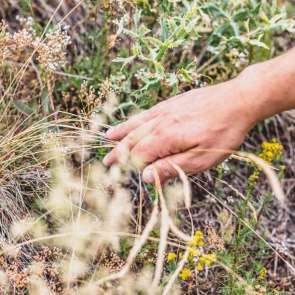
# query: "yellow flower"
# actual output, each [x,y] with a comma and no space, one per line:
[180,255]
[201,244]
[198,236]
[185,273]
[193,251]
[199,267]
[265,19]
[171,256]
[262,273]
[271,150]
[207,259]
[191,244]
[197,240]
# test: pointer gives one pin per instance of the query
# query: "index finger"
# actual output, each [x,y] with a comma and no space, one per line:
[121,130]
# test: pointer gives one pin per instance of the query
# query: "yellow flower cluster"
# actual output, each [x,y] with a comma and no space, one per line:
[185,273]
[192,13]
[262,273]
[271,150]
[171,256]
[195,254]
[254,176]
[197,240]
[205,259]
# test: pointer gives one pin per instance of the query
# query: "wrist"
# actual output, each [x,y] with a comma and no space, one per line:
[267,88]
[257,95]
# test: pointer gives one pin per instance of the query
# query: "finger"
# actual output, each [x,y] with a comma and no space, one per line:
[160,143]
[120,131]
[151,148]
[192,161]
[165,167]
[130,141]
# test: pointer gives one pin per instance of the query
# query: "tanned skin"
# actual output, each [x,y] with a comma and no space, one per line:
[186,129]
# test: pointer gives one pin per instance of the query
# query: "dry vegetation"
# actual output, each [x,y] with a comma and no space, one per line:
[69,225]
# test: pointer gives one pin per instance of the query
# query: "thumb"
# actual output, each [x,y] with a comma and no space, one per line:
[187,161]
[164,169]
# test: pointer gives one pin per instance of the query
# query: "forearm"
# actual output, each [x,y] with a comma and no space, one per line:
[269,87]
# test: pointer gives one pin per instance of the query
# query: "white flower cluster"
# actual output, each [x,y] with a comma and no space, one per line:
[238,58]
[28,21]
[18,42]
[4,39]
[225,167]
[142,72]
[50,52]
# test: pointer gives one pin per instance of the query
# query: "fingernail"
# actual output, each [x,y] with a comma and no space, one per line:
[106,160]
[148,175]
[110,132]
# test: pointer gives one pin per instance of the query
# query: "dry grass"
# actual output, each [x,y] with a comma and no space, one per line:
[64,217]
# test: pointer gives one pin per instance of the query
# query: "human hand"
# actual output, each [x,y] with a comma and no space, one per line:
[193,130]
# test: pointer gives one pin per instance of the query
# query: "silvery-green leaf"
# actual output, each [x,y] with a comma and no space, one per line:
[159,68]
[130,33]
[143,30]
[258,43]
[136,18]
[155,42]
[164,29]
[172,79]
[171,25]
[124,60]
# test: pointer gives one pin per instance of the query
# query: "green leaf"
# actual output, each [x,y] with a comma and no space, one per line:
[258,43]
[235,28]
[241,15]
[186,75]
[181,33]
[164,29]
[220,30]
[45,101]
[150,84]
[136,18]
[136,50]
[159,68]
[130,33]
[274,7]
[22,107]
[120,25]
[143,30]
[124,60]
[172,26]
[216,16]
[155,42]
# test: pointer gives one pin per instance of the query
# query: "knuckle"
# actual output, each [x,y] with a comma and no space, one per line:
[175,120]
[155,111]
[159,132]
[130,137]
[166,170]
[119,129]
[141,148]
[151,113]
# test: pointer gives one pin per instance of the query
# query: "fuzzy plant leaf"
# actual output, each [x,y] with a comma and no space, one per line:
[124,60]
[258,43]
